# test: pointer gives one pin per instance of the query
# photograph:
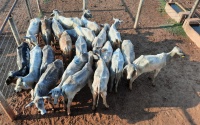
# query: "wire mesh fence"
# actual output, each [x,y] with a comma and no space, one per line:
[8,46]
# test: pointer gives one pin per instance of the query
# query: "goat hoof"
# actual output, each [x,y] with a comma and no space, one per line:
[107,106]
[93,108]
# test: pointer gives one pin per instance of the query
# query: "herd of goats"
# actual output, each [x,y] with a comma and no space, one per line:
[101,56]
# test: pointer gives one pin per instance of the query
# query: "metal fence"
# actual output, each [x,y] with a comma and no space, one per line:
[188,4]
[7,41]
[8,45]
[21,12]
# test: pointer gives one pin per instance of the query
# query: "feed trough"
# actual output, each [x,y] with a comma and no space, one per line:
[176,11]
[192,29]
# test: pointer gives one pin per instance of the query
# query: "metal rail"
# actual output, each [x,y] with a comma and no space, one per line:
[7,17]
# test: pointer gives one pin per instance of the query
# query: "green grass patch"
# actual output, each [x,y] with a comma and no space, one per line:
[46,1]
[40,15]
[171,26]
[175,28]
[161,7]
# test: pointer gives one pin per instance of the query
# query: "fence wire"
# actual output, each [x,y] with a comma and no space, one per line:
[8,45]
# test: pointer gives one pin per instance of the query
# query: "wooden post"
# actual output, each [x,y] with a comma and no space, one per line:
[85,4]
[39,8]
[6,108]
[193,9]
[28,8]
[14,30]
[138,13]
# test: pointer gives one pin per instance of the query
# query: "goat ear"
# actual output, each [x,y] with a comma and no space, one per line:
[30,104]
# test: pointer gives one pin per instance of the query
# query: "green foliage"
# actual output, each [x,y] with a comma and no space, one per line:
[171,26]
[175,28]
[46,1]
[40,15]
[161,8]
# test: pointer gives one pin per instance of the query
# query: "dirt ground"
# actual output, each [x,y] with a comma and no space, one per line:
[173,101]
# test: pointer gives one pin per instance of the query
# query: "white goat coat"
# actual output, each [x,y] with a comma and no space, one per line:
[90,25]
[57,28]
[81,46]
[100,39]
[128,51]
[101,77]
[86,33]
[33,28]
[106,52]
[27,81]
[148,63]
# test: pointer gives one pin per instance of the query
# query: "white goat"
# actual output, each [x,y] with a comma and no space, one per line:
[99,85]
[46,30]
[74,83]
[106,53]
[148,63]
[57,29]
[27,82]
[113,35]
[65,44]
[116,68]
[33,30]
[128,51]
[86,33]
[89,24]
[75,65]
[81,46]
[99,40]
[67,23]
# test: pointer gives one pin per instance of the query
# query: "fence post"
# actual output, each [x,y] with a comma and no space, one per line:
[7,109]
[193,9]
[14,30]
[39,7]
[28,8]
[85,4]
[138,13]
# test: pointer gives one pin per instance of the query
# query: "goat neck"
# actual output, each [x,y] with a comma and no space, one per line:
[116,24]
